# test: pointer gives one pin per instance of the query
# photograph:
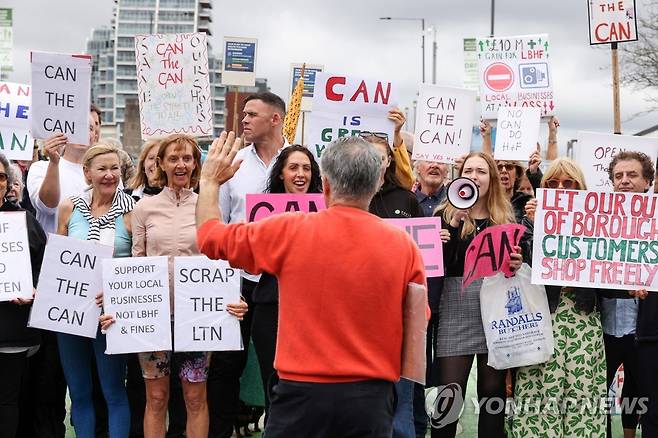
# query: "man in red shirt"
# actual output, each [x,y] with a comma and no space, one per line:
[344,277]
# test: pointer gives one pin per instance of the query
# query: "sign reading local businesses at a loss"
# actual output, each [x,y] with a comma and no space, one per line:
[515,71]
[239,61]
[611,21]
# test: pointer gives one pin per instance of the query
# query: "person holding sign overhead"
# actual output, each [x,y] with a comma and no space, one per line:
[101,214]
[460,334]
[163,225]
[576,374]
[295,171]
[17,341]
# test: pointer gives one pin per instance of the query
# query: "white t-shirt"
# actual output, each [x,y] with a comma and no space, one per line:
[71,183]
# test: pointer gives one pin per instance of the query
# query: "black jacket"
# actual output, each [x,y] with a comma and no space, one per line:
[518,201]
[13,318]
[394,202]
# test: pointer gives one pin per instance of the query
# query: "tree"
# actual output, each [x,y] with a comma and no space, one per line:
[640,59]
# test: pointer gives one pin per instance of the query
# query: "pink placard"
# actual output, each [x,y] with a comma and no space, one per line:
[489,252]
[426,232]
[262,205]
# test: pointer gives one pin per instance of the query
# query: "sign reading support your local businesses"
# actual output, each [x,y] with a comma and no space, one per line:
[239,66]
[515,71]
[344,106]
[16,143]
[611,21]
[203,289]
[136,294]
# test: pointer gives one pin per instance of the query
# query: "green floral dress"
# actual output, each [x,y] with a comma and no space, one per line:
[565,397]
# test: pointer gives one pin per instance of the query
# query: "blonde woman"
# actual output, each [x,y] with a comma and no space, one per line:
[562,397]
[145,181]
[460,332]
[102,214]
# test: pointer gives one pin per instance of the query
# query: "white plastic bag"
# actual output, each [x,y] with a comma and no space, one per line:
[516,320]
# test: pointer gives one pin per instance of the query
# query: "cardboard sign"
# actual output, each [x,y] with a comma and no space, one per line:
[517,133]
[61,90]
[15,263]
[344,106]
[16,143]
[596,239]
[173,84]
[239,66]
[309,82]
[612,22]
[594,152]
[490,251]
[444,122]
[69,281]
[262,205]
[203,289]
[426,232]
[515,71]
[136,293]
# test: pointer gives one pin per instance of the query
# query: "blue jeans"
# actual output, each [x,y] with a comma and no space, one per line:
[76,352]
[403,419]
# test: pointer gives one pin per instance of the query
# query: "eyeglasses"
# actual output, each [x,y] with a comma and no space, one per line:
[366,134]
[3,177]
[506,166]
[566,183]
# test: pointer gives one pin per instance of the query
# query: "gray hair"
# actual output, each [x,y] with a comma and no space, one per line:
[8,170]
[353,168]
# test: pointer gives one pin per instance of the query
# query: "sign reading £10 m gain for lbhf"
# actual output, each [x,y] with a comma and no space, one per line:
[344,106]
[515,71]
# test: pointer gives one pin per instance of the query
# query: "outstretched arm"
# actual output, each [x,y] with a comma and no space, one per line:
[217,169]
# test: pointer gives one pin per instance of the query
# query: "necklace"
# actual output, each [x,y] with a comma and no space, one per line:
[480,224]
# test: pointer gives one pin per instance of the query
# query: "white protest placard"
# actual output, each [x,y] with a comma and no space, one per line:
[69,281]
[16,143]
[596,239]
[444,123]
[173,84]
[611,21]
[136,294]
[594,152]
[310,70]
[517,132]
[61,93]
[239,67]
[203,289]
[346,105]
[15,264]
[515,71]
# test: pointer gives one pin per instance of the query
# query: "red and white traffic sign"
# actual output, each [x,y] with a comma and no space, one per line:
[498,77]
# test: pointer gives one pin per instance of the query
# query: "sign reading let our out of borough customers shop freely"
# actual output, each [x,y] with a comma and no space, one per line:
[515,71]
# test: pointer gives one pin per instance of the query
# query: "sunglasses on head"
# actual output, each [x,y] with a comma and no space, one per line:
[366,134]
[555,183]
[506,166]
[3,177]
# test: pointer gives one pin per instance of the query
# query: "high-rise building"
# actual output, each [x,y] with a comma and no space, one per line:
[114,77]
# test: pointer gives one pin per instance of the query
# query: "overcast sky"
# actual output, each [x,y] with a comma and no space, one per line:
[347,37]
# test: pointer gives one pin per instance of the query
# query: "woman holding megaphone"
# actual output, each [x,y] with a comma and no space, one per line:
[470,208]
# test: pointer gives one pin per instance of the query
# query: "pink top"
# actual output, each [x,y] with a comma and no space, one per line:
[165,226]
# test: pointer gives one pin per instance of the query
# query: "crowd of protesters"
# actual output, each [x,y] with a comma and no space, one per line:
[321,294]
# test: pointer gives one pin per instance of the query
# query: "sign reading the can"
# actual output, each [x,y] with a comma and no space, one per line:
[612,21]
